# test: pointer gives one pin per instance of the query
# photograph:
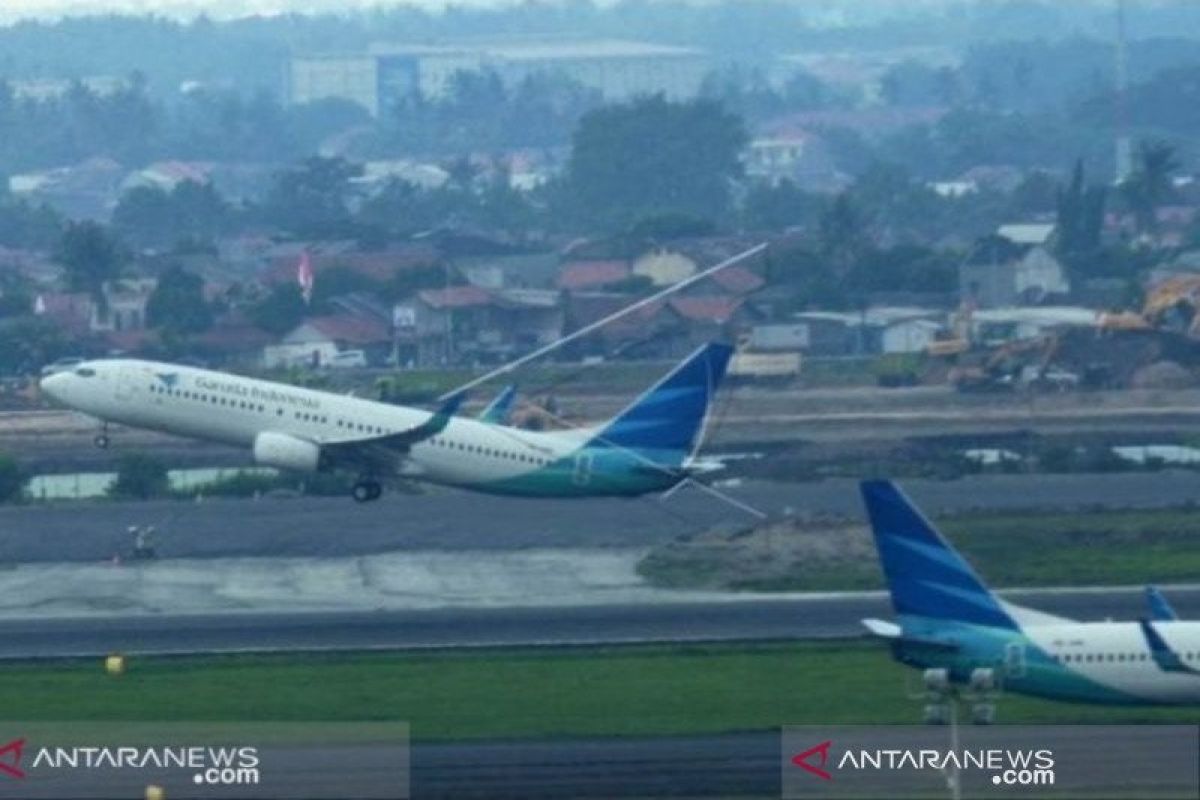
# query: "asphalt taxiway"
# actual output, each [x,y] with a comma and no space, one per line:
[729,619]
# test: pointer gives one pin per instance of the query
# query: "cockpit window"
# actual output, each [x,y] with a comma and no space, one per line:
[85,372]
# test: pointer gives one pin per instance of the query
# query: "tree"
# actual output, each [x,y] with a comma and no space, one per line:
[27,342]
[653,156]
[91,258]
[281,310]
[1080,219]
[311,200]
[190,211]
[777,207]
[177,305]
[139,477]
[671,225]
[1149,187]
[841,233]
[12,479]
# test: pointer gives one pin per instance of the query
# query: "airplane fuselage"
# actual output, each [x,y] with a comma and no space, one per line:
[237,411]
[1093,662]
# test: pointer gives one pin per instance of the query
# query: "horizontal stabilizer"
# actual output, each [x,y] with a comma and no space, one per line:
[894,633]
[882,628]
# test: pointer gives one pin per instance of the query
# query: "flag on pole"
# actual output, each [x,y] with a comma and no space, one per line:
[304,276]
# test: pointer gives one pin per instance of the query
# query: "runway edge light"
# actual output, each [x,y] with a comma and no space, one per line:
[155,793]
[114,665]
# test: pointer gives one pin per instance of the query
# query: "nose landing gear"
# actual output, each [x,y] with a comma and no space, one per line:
[101,439]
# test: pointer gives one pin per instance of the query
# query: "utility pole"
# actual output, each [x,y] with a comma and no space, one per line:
[1124,146]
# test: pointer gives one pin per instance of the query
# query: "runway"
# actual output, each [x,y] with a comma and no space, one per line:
[455,520]
[728,620]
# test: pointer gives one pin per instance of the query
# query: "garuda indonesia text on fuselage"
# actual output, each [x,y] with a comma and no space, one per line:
[645,448]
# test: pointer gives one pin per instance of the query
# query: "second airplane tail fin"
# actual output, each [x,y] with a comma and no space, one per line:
[925,575]
[668,419]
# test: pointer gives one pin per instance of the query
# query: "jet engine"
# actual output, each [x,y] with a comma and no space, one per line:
[286,452]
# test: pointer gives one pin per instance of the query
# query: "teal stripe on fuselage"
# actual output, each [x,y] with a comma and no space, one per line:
[984,646]
[592,472]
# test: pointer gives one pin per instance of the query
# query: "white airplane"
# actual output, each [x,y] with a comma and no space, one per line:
[648,447]
[947,619]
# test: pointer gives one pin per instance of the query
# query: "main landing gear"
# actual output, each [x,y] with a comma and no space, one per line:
[366,490]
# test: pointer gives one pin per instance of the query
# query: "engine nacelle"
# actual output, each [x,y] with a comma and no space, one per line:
[286,452]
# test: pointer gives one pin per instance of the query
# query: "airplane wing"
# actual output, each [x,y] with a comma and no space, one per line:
[381,452]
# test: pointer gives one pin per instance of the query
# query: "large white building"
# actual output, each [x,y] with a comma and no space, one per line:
[386,73]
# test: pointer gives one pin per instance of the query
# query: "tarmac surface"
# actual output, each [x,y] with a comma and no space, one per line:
[730,618]
[441,519]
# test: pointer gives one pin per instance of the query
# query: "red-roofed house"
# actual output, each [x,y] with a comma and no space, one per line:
[663,329]
[736,280]
[470,324]
[233,338]
[71,311]
[378,265]
[578,275]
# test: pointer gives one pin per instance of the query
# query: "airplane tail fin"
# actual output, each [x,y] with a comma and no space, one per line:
[669,418]
[925,575]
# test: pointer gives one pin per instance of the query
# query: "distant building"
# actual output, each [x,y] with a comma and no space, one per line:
[316,341]
[798,156]
[166,175]
[592,274]
[124,307]
[518,271]
[475,325]
[1014,266]
[665,329]
[388,74]
[42,89]
[88,190]
[345,77]
[869,332]
[678,260]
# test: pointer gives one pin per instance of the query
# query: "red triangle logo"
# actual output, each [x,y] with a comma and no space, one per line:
[821,751]
[10,759]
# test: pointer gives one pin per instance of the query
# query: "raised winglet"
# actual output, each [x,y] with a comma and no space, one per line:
[497,412]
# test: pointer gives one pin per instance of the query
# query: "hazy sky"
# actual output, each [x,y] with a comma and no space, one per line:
[16,9]
[11,10]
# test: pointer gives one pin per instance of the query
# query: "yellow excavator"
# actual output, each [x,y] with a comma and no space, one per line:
[1170,305]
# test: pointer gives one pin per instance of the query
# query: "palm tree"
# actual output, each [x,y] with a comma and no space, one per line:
[1149,186]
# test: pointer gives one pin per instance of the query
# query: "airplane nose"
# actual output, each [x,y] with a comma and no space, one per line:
[52,385]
